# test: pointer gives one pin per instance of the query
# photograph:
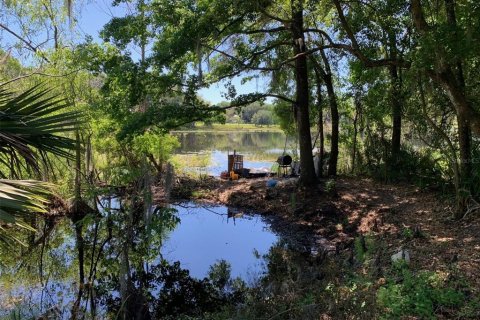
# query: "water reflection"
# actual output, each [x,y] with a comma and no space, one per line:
[211,233]
[121,264]
[197,141]
[206,152]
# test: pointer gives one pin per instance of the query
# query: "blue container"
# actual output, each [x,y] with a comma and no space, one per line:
[271,183]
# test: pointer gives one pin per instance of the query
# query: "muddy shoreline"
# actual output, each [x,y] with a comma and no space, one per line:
[311,216]
[328,220]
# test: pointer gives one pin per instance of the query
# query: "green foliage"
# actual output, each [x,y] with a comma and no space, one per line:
[414,166]
[19,199]
[159,145]
[249,111]
[263,117]
[364,246]
[474,179]
[330,186]
[407,233]
[122,161]
[418,295]
[33,124]
[284,113]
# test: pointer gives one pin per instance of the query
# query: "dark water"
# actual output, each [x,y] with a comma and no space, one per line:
[260,149]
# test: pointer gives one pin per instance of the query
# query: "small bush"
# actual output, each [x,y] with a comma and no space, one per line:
[364,248]
[330,186]
[413,166]
[417,295]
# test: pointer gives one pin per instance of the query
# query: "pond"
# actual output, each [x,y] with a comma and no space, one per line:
[206,151]
[129,258]
[198,236]
[208,234]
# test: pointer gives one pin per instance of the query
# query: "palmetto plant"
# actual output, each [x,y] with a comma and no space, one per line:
[31,128]
[19,199]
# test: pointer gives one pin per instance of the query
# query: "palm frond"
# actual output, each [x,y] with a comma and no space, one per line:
[18,200]
[32,124]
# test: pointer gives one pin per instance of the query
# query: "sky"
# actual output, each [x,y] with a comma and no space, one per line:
[93,15]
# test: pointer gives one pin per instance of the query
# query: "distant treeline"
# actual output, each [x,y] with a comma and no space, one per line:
[255,113]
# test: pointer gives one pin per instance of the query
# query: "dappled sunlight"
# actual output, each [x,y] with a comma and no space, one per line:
[239,159]
[442,239]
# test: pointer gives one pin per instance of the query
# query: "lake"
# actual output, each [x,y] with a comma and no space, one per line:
[206,151]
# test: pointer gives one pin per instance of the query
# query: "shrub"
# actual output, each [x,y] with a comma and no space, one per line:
[417,295]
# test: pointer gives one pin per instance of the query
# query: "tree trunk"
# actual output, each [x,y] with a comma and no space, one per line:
[321,133]
[464,131]
[358,112]
[78,170]
[464,138]
[333,160]
[332,99]
[154,162]
[307,169]
[443,74]
[396,101]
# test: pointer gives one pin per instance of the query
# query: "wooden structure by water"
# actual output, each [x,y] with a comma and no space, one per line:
[235,165]
[235,162]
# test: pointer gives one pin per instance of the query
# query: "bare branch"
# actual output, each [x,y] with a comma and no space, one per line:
[26,42]
[39,74]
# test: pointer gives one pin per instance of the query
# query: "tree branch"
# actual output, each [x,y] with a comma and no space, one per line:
[27,43]
[272,30]
[264,12]
[247,64]
[418,17]
[247,99]
[39,74]
[358,53]
[354,48]
[345,25]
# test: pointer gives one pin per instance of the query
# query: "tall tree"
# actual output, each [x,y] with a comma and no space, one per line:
[237,38]
[325,71]
[442,65]
[441,40]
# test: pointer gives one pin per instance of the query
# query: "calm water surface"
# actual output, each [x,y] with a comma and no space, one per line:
[260,149]
[47,277]
[208,234]
[117,248]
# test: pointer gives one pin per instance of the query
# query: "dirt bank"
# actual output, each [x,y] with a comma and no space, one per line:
[402,216]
